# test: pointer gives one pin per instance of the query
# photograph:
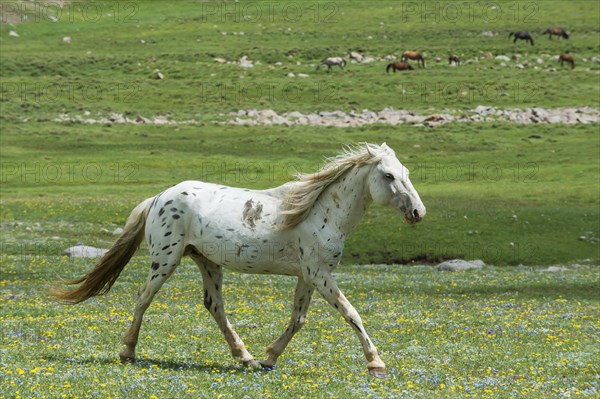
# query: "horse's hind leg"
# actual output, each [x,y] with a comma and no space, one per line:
[162,267]
[301,301]
[212,279]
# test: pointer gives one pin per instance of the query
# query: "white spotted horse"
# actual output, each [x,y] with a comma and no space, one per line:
[297,229]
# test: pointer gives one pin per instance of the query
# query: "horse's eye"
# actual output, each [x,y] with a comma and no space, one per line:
[389,176]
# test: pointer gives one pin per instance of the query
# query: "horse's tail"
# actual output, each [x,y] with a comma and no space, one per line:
[387,70]
[101,278]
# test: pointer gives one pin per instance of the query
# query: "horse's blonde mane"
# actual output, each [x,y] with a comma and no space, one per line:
[299,199]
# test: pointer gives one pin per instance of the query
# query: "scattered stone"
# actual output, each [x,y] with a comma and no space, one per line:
[489,33]
[220,60]
[158,74]
[117,232]
[245,62]
[456,265]
[502,58]
[67,39]
[12,33]
[555,269]
[84,251]
[356,56]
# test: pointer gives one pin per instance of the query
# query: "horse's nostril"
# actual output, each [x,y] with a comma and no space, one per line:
[416,214]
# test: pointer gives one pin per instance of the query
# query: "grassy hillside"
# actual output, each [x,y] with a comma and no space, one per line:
[115,47]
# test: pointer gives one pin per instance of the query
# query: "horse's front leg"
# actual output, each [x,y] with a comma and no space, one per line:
[301,301]
[324,282]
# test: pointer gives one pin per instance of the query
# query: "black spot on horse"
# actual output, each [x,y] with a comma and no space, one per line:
[169,202]
[173,209]
[166,247]
[168,233]
[176,216]
[161,211]
[184,193]
[155,265]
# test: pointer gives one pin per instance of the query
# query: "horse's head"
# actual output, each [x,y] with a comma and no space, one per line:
[389,185]
[565,34]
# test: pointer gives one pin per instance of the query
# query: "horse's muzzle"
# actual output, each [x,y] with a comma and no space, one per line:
[414,216]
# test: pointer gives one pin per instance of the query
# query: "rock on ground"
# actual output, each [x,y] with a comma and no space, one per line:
[84,251]
[456,265]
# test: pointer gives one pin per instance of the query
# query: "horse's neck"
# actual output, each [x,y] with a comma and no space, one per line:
[345,201]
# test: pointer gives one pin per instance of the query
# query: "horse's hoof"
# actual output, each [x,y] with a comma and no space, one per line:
[378,372]
[125,359]
[267,367]
[252,363]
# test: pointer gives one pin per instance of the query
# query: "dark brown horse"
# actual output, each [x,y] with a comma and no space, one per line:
[521,36]
[415,56]
[568,58]
[454,59]
[399,66]
[556,31]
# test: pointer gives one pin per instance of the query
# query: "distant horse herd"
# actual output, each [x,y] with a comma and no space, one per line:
[454,59]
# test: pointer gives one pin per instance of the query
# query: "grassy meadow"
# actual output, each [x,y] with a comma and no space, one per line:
[520,197]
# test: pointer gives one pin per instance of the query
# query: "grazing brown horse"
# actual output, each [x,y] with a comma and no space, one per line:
[522,36]
[454,59]
[568,58]
[415,56]
[399,66]
[556,31]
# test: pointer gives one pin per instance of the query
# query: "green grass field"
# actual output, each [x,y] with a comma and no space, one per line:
[497,333]
[520,197]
